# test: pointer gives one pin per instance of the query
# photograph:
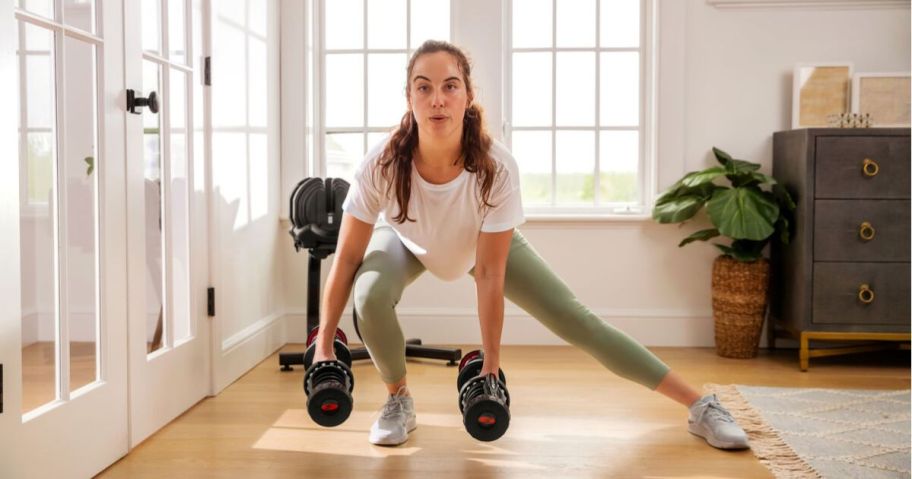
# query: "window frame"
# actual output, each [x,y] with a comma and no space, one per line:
[646,170]
[319,168]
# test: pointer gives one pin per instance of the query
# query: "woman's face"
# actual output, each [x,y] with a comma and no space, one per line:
[437,96]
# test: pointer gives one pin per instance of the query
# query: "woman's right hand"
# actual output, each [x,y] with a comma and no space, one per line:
[322,353]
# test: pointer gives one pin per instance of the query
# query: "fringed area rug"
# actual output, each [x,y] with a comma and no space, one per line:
[828,433]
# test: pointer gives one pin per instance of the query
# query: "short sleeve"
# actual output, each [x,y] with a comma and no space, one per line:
[507,212]
[363,198]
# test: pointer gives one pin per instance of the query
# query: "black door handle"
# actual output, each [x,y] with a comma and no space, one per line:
[134,102]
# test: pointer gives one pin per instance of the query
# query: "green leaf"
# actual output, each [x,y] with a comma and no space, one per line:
[90,161]
[740,252]
[782,228]
[701,235]
[697,178]
[743,213]
[677,209]
[722,157]
[783,198]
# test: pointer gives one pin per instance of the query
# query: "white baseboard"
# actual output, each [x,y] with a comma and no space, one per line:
[452,326]
[247,348]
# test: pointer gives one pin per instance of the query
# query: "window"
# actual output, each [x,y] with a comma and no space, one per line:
[575,105]
[365,46]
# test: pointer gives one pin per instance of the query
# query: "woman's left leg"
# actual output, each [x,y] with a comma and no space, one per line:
[533,286]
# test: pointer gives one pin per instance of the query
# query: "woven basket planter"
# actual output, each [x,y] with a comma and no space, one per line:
[739,299]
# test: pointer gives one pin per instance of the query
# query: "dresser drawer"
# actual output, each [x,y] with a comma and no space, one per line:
[837,287]
[842,226]
[840,162]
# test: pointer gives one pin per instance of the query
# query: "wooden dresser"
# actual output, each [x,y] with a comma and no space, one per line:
[845,275]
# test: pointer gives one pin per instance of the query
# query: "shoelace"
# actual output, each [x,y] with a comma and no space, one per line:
[395,405]
[715,411]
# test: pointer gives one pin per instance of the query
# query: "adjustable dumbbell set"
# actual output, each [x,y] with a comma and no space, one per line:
[484,401]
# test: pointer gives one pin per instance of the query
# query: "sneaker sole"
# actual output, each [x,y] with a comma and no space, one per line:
[713,441]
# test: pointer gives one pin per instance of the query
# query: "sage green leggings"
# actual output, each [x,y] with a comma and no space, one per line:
[388,267]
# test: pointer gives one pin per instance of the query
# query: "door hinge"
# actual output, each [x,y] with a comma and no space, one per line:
[207,71]
[210,301]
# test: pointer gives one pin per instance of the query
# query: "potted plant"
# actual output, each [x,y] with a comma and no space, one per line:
[751,209]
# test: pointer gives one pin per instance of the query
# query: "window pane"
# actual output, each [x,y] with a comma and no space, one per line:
[373,139]
[257,21]
[620,23]
[151,25]
[386,24]
[575,23]
[619,163]
[178,233]
[575,167]
[430,20]
[532,24]
[37,39]
[153,212]
[39,87]
[41,7]
[258,74]
[80,14]
[37,232]
[81,209]
[344,90]
[344,27]
[575,89]
[344,152]
[532,150]
[531,89]
[177,30]
[230,94]
[620,89]
[386,89]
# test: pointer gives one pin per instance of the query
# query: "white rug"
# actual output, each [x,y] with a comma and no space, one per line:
[828,433]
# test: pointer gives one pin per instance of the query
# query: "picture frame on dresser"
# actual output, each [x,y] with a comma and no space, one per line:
[845,276]
[820,91]
[885,96]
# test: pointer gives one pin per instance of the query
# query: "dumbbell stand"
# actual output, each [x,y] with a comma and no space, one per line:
[413,347]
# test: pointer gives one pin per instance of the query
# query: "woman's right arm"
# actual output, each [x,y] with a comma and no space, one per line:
[354,235]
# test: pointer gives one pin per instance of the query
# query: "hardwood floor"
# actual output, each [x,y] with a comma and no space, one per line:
[570,418]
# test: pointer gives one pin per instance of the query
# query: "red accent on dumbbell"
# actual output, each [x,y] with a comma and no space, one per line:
[329,406]
[487,420]
[468,357]
[312,335]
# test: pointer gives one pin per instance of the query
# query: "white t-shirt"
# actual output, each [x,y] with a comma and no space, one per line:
[448,217]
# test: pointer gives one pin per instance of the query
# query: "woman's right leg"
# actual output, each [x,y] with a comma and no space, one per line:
[388,267]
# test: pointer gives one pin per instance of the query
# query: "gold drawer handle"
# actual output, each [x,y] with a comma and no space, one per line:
[865,294]
[870,167]
[866,231]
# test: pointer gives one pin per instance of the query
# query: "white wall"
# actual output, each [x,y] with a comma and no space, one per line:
[725,81]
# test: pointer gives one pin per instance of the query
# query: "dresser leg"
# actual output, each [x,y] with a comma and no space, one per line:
[804,353]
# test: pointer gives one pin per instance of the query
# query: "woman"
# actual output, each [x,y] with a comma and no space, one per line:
[460,204]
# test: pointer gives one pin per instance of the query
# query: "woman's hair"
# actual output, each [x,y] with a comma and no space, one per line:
[396,159]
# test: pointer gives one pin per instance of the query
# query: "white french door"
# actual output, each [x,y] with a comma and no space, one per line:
[63,333]
[167,263]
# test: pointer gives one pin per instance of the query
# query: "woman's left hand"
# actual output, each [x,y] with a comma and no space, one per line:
[489,367]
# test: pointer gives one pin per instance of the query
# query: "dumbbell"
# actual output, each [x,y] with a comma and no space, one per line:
[483,400]
[328,384]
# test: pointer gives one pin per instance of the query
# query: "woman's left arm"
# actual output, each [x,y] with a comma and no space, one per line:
[490,272]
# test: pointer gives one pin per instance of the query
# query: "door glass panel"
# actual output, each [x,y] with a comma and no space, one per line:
[178,232]
[81,209]
[386,24]
[430,21]
[152,161]
[345,90]
[177,28]
[44,8]
[37,232]
[80,14]
[151,25]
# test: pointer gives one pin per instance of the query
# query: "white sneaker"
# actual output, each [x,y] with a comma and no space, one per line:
[396,421]
[709,420]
